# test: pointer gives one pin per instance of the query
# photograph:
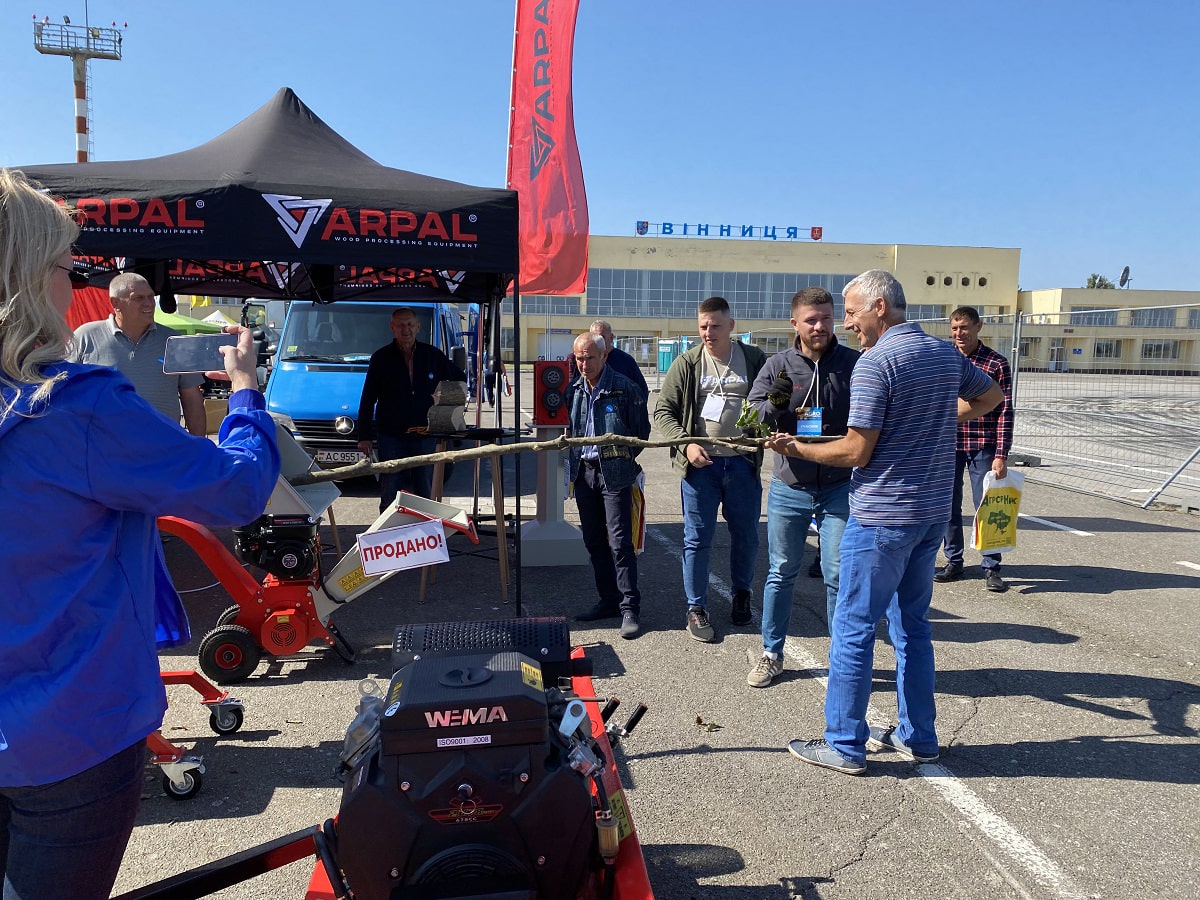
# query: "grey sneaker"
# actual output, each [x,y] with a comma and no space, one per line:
[630,627]
[765,672]
[885,739]
[698,626]
[819,753]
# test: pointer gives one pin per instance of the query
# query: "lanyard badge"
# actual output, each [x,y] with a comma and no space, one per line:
[808,421]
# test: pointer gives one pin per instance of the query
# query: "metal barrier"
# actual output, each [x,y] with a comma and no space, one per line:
[1107,401]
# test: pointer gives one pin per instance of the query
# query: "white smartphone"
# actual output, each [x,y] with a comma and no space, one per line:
[196,353]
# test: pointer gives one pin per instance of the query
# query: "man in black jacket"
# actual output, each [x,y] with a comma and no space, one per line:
[396,396]
[803,391]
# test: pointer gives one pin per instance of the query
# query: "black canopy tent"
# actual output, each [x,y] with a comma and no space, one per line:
[281,206]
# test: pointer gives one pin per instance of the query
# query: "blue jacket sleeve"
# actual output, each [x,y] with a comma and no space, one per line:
[137,459]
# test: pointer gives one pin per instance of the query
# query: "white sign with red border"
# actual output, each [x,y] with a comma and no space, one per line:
[403,547]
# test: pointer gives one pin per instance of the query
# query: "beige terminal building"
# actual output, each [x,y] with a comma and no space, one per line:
[648,288]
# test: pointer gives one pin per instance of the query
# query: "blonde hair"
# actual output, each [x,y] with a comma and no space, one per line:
[34,232]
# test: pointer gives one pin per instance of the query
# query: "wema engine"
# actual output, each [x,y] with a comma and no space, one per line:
[477,782]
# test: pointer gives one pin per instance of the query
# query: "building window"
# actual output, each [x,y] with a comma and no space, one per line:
[676,294]
[930,280]
[1193,318]
[918,312]
[947,281]
[1152,318]
[982,281]
[1160,349]
[966,282]
[1093,315]
[1106,349]
[539,304]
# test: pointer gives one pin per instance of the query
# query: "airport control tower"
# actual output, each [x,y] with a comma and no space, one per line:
[81,43]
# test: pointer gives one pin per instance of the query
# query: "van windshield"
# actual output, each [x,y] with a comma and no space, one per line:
[343,333]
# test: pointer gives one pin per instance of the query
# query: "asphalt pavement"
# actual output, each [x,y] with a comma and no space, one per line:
[1068,710]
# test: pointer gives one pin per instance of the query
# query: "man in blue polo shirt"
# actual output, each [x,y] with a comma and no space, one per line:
[907,394]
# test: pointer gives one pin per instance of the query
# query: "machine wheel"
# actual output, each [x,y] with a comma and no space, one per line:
[191,785]
[226,721]
[229,653]
[227,617]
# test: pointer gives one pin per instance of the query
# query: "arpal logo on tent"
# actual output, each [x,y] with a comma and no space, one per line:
[453,279]
[296,214]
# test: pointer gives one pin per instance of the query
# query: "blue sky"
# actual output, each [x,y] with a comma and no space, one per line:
[1067,129]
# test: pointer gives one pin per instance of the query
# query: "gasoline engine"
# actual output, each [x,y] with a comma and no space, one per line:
[468,778]
[283,545]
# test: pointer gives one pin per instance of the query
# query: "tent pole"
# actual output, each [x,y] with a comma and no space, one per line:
[517,428]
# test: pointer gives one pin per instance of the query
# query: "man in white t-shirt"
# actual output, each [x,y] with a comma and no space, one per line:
[702,396]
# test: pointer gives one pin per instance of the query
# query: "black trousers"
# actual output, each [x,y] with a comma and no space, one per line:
[605,517]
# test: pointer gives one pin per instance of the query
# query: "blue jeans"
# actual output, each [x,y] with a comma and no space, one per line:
[66,839]
[731,483]
[417,481]
[605,518]
[884,569]
[789,512]
[977,463]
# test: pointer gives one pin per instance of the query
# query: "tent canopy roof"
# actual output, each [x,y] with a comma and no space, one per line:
[282,205]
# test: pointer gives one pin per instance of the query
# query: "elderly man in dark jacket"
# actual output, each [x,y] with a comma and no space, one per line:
[602,401]
[804,391]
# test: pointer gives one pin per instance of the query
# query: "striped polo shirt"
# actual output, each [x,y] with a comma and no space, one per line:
[907,388]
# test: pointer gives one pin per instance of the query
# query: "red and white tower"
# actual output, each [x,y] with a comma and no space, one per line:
[81,43]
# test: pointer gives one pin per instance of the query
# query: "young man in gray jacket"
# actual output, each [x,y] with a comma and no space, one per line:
[804,391]
[702,396]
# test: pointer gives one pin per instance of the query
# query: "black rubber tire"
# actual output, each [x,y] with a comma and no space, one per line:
[229,653]
[229,721]
[192,782]
[227,617]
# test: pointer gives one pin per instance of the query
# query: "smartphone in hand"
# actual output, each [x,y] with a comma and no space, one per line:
[196,353]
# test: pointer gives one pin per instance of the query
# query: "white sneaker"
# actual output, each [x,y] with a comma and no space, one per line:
[766,671]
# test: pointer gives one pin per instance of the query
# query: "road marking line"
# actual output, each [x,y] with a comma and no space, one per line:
[1190,565]
[1018,847]
[1050,524]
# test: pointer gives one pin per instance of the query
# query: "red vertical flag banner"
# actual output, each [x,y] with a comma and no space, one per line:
[543,156]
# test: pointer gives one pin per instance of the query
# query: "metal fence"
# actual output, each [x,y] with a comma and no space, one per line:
[1107,401]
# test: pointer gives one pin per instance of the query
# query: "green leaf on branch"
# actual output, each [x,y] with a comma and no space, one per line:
[750,423]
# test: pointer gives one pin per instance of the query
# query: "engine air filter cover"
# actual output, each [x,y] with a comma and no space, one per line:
[469,700]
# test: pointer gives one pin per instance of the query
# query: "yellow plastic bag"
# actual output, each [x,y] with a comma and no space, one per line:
[638,518]
[996,518]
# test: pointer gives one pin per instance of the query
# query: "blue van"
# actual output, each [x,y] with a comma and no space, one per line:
[317,378]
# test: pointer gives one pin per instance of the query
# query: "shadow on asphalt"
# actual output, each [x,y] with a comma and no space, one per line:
[1093,757]
[677,869]
[1043,579]
[1102,693]
[1105,525]
[233,783]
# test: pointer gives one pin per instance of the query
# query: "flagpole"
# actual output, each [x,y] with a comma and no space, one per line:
[512,98]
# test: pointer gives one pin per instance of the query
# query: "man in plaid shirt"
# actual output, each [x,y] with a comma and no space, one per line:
[982,445]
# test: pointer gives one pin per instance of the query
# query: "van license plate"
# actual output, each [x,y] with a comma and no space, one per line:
[339,456]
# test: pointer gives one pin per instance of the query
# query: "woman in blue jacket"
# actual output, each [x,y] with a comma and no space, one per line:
[86,467]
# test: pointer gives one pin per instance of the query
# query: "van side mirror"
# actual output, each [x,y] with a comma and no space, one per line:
[458,356]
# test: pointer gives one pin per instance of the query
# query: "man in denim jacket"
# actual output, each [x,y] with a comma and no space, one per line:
[602,401]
